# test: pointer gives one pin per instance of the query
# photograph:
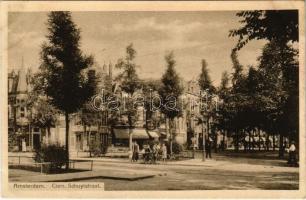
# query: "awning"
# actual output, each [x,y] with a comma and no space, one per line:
[136,133]
[121,133]
[140,134]
[153,134]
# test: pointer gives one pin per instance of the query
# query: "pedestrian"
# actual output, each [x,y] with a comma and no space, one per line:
[147,154]
[132,152]
[135,151]
[164,152]
[292,161]
[208,147]
[155,153]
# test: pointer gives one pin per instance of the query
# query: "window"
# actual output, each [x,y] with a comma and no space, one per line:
[22,115]
[22,109]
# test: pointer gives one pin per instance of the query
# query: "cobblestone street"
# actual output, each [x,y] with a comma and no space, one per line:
[223,173]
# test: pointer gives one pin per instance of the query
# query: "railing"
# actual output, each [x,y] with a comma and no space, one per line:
[42,164]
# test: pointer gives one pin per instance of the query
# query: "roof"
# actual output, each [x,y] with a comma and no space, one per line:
[22,81]
[153,134]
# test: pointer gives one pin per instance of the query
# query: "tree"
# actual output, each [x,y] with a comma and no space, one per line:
[278,25]
[223,89]
[170,91]
[278,67]
[130,83]
[205,80]
[150,91]
[63,66]
[44,114]
[237,99]
[209,90]
[222,114]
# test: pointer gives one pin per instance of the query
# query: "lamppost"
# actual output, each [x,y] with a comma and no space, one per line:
[203,121]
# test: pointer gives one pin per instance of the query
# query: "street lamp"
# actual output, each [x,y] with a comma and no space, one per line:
[203,121]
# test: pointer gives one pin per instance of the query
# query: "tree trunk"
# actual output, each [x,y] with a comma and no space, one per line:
[67,139]
[253,140]
[171,135]
[250,135]
[245,144]
[130,136]
[223,145]
[259,140]
[130,143]
[89,141]
[48,134]
[84,137]
[203,141]
[268,142]
[236,142]
[274,141]
[281,147]
[216,140]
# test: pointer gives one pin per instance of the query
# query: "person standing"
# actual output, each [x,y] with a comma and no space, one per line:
[292,154]
[208,147]
[24,145]
[136,152]
[164,153]
[131,153]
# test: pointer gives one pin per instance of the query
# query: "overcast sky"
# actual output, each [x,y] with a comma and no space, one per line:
[191,35]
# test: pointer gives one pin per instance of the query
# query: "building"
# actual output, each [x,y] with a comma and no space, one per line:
[22,135]
[94,129]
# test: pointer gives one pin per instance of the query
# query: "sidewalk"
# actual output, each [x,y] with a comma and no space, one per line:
[216,164]
[187,162]
[18,175]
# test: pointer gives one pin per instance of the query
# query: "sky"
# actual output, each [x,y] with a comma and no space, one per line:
[192,36]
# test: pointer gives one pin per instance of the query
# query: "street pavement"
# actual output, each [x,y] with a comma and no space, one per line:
[192,174]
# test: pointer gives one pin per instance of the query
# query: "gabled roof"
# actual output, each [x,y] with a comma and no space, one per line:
[22,81]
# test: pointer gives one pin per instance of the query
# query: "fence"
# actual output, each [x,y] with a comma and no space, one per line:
[42,166]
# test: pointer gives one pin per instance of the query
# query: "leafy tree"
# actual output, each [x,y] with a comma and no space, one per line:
[209,90]
[150,90]
[279,89]
[278,68]
[62,69]
[43,113]
[237,76]
[45,116]
[169,92]
[223,91]
[130,83]
[237,99]
[205,80]
[278,25]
